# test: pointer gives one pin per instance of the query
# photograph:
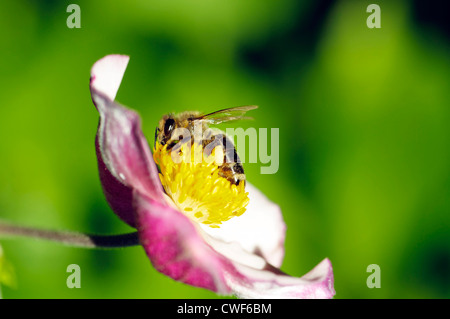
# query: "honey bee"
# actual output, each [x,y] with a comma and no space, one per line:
[231,167]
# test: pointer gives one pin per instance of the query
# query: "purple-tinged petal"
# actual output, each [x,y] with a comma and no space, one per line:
[175,248]
[259,279]
[124,158]
[118,195]
[273,284]
[260,230]
[182,251]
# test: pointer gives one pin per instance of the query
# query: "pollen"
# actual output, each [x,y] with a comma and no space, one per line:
[191,179]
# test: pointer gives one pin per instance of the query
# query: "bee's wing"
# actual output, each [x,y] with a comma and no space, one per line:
[226,115]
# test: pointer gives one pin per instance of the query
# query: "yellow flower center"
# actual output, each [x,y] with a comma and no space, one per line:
[192,180]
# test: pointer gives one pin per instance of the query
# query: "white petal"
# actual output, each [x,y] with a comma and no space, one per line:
[260,284]
[259,231]
[107,74]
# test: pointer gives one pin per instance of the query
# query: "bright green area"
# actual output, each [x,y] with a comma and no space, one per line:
[364,174]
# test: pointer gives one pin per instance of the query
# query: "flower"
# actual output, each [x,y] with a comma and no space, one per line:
[191,178]
[242,257]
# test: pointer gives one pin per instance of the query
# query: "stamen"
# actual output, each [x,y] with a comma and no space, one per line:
[191,178]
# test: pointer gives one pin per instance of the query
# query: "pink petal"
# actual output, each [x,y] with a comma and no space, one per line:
[175,249]
[180,250]
[124,158]
[260,230]
[272,284]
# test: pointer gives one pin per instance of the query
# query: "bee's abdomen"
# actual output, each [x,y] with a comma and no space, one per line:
[231,168]
[233,172]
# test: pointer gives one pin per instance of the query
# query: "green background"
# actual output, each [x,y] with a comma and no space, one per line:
[364,132]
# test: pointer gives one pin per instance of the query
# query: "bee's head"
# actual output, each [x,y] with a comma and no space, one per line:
[165,129]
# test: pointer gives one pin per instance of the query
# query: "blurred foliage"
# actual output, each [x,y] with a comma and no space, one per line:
[363,116]
[7,275]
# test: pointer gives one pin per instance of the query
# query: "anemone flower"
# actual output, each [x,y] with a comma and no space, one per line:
[241,257]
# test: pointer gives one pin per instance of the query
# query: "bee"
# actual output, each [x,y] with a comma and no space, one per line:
[231,167]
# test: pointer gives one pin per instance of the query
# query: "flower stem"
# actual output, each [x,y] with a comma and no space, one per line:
[70,238]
